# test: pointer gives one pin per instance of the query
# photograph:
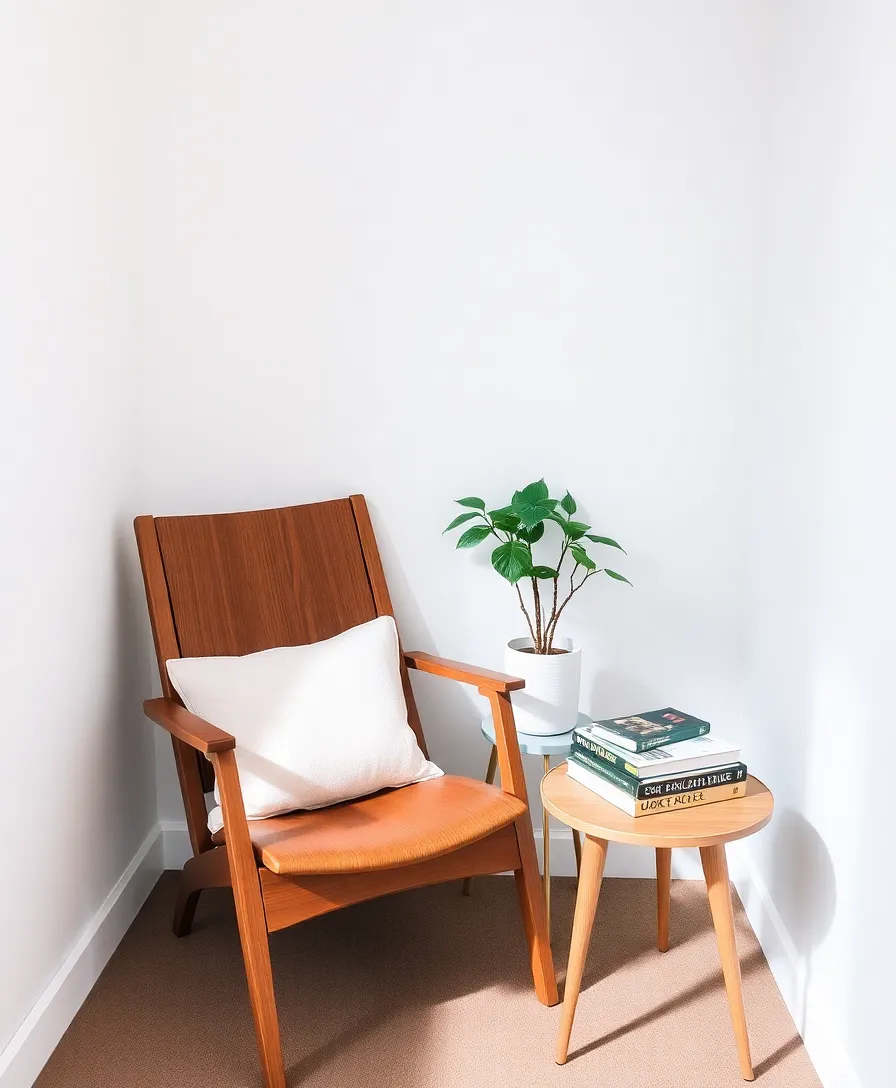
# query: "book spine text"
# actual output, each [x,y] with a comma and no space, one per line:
[654,787]
[693,799]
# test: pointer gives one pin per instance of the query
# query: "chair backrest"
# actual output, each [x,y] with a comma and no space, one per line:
[232,584]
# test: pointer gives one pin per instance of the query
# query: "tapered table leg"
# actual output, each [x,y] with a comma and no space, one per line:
[594,856]
[715,869]
[663,896]
[489,778]
[577,846]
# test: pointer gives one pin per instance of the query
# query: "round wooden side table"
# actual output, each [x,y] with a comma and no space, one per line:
[707,827]
[532,744]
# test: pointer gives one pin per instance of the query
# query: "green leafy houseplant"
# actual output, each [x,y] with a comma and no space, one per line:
[517,527]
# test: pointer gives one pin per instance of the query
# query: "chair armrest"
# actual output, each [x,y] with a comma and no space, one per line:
[483,679]
[496,686]
[190,728]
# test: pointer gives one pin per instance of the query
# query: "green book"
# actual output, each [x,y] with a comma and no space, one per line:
[622,781]
[644,788]
[652,729]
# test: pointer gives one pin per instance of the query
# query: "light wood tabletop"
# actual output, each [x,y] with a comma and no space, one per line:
[707,827]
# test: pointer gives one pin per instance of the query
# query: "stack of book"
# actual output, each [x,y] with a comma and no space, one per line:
[660,761]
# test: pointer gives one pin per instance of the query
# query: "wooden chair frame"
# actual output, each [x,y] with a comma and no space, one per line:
[266,902]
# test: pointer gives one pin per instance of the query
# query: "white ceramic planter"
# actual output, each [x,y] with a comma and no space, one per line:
[550,702]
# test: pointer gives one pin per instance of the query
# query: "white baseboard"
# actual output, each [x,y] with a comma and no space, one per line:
[176,846]
[29,1049]
[822,1035]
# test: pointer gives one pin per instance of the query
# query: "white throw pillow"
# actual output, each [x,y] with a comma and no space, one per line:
[314,724]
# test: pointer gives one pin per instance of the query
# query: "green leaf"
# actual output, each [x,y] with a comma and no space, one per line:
[582,557]
[500,511]
[575,530]
[530,514]
[605,540]
[536,492]
[618,577]
[460,519]
[569,504]
[511,560]
[471,500]
[473,536]
[542,572]
[507,523]
[532,505]
[533,535]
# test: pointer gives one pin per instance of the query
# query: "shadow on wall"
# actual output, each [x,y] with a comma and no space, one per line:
[804,889]
[134,733]
[449,711]
[113,764]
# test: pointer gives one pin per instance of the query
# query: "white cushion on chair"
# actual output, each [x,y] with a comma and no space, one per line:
[314,725]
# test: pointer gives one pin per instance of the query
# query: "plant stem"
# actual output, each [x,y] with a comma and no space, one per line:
[519,594]
[552,621]
[572,592]
[538,628]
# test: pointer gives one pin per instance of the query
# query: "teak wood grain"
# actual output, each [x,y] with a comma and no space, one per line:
[251,922]
[186,759]
[245,582]
[232,584]
[210,869]
[187,727]
[383,602]
[292,899]
[466,674]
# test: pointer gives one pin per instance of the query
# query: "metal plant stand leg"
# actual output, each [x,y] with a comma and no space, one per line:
[546,843]
[489,778]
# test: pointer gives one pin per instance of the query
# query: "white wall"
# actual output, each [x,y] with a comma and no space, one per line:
[823,591]
[76,775]
[429,250]
[385,248]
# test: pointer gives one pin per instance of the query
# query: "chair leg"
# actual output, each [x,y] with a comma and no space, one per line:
[489,778]
[718,888]
[529,890]
[260,978]
[185,909]
[663,896]
[206,870]
[250,917]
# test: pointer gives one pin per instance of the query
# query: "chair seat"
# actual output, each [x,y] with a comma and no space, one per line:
[384,831]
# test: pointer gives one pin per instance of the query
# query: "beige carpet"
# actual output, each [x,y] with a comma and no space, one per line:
[430,990]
